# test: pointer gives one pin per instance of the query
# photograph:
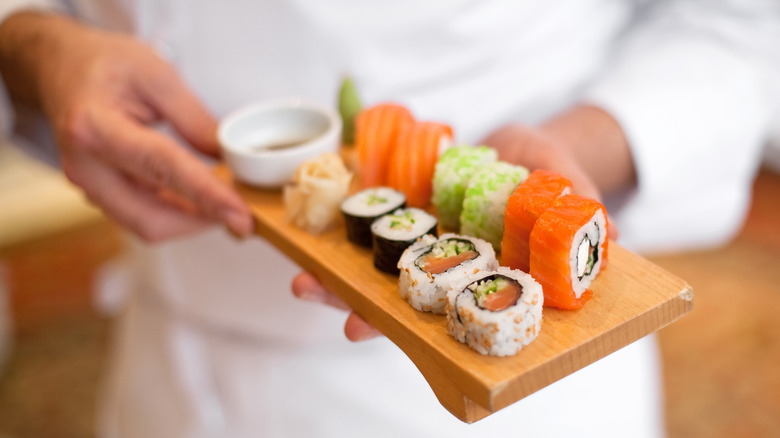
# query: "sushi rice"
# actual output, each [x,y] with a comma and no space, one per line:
[587,253]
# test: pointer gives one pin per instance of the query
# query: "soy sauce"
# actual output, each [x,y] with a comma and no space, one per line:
[278,145]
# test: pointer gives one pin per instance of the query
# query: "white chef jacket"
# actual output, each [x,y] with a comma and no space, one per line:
[213,344]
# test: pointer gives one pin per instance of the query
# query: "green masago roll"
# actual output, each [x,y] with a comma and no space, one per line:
[452,174]
[485,200]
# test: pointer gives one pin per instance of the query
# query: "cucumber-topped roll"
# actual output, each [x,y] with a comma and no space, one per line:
[396,231]
[485,200]
[363,208]
[495,312]
[451,176]
[431,266]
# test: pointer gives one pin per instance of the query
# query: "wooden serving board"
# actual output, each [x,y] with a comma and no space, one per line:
[631,298]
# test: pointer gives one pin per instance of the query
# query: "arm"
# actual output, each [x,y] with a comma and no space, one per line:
[692,84]
[102,94]
[584,143]
[675,123]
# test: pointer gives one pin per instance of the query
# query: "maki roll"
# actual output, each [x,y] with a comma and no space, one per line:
[363,208]
[568,250]
[396,231]
[485,201]
[529,200]
[430,267]
[450,178]
[496,312]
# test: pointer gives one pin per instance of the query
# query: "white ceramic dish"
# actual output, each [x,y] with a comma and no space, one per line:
[264,143]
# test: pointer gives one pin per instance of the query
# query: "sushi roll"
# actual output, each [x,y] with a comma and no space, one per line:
[430,267]
[450,178]
[568,250]
[411,168]
[363,208]
[496,312]
[396,231]
[485,201]
[376,133]
[529,200]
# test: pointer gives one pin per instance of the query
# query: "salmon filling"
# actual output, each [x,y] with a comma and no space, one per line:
[446,255]
[498,293]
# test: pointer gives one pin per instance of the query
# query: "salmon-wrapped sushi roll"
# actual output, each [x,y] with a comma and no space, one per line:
[414,160]
[376,133]
[529,200]
[568,249]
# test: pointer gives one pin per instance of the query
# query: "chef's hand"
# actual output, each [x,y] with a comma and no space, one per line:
[104,93]
[306,287]
[584,144]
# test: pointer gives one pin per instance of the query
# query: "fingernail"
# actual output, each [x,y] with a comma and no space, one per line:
[368,334]
[240,224]
[313,295]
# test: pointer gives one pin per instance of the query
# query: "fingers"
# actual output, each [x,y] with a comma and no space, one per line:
[357,329]
[176,103]
[528,147]
[561,162]
[157,161]
[139,210]
[306,287]
[612,229]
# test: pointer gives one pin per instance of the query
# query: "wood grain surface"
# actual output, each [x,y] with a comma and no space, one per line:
[632,298]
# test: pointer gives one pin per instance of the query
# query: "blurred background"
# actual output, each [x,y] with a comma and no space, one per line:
[720,361]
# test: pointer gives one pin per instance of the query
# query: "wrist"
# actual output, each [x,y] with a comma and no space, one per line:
[597,142]
[31,44]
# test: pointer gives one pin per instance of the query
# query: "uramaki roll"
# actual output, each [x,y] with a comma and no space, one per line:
[568,250]
[430,267]
[485,200]
[495,312]
[529,200]
[451,177]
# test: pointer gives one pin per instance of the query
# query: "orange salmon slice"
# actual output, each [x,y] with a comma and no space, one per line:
[503,298]
[437,265]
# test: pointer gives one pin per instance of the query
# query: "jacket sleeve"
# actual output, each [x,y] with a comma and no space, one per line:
[694,86]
